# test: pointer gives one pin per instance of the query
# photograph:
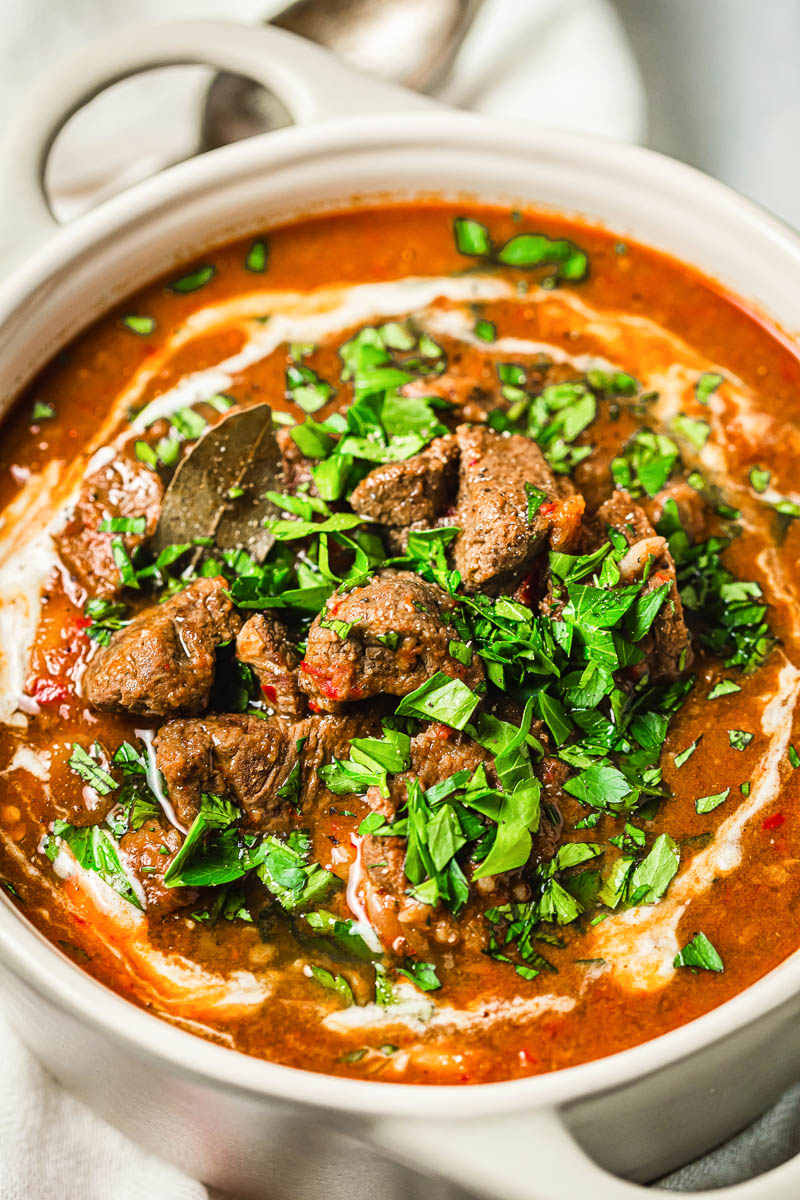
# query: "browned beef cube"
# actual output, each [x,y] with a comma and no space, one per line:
[121,487]
[263,644]
[388,636]
[326,737]
[418,489]
[242,757]
[163,662]
[666,646]
[404,924]
[250,760]
[498,541]
[147,852]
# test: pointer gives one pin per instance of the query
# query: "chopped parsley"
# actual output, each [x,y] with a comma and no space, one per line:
[725,687]
[257,256]
[759,479]
[645,464]
[699,954]
[90,771]
[334,983]
[686,754]
[707,804]
[139,324]
[486,331]
[706,385]
[695,432]
[42,412]
[285,869]
[193,281]
[440,698]
[728,613]
[524,250]
[422,974]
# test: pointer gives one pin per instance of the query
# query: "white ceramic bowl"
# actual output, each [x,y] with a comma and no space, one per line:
[235,1121]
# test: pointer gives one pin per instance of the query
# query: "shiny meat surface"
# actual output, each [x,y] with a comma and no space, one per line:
[120,487]
[263,644]
[163,662]
[498,539]
[387,637]
[419,489]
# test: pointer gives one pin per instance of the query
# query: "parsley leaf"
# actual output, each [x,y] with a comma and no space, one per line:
[421,973]
[707,804]
[90,771]
[699,954]
[286,872]
[706,385]
[440,698]
[334,983]
[96,850]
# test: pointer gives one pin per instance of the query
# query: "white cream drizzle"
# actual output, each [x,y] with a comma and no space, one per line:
[34,762]
[178,981]
[300,317]
[355,878]
[25,566]
[420,1012]
[155,780]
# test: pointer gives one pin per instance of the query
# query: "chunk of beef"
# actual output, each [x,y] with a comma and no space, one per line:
[498,541]
[147,852]
[120,487]
[469,385]
[666,646]
[163,662]
[325,738]
[396,635]
[416,490]
[403,923]
[250,760]
[233,754]
[263,643]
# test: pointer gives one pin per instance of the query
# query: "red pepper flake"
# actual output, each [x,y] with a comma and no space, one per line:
[546,510]
[322,679]
[442,731]
[269,691]
[773,822]
[49,691]
[527,1059]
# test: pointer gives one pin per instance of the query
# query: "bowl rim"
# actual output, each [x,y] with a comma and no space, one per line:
[45,968]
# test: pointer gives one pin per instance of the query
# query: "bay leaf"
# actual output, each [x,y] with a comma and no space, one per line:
[218,488]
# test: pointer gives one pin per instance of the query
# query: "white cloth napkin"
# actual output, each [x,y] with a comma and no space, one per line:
[514,64]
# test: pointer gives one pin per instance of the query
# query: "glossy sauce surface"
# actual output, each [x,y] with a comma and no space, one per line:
[615,984]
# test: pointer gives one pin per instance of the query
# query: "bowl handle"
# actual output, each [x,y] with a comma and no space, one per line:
[310,82]
[534,1156]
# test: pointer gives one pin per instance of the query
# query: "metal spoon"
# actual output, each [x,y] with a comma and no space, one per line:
[409,42]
